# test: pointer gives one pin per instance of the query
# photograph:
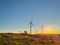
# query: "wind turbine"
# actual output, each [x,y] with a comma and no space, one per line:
[31,26]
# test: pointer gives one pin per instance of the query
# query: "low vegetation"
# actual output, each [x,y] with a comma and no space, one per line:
[26,39]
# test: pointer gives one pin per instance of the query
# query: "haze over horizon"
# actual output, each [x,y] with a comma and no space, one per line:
[15,15]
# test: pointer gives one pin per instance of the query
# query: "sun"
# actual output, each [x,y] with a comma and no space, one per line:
[48,30]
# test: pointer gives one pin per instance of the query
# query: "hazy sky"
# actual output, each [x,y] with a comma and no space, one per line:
[15,15]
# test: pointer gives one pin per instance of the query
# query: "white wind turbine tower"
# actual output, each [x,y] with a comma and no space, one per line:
[31,26]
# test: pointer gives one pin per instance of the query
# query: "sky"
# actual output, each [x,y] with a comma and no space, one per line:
[15,15]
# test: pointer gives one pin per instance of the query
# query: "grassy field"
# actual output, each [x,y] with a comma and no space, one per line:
[27,39]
